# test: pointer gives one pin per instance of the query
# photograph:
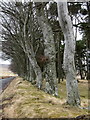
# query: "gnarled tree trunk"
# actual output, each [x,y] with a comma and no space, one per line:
[49,51]
[73,97]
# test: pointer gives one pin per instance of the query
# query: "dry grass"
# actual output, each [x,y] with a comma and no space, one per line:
[21,99]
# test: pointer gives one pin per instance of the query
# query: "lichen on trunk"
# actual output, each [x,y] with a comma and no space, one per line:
[49,51]
[73,97]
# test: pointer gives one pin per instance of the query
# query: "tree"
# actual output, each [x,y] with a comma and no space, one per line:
[20,18]
[73,97]
[80,58]
[81,13]
[85,27]
[58,38]
[49,51]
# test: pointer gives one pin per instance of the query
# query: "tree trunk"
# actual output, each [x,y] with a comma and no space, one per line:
[73,97]
[35,66]
[31,56]
[88,43]
[49,52]
[59,58]
[80,68]
[31,74]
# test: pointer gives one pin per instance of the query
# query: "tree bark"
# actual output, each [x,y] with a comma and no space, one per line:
[30,72]
[60,73]
[88,43]
[73,97]
[49,51]
[36,69]
[31,56]
[80,67]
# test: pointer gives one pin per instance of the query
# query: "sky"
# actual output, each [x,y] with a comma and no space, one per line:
[3,61]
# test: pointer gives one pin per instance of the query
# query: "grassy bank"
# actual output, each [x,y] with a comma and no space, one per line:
[21,99]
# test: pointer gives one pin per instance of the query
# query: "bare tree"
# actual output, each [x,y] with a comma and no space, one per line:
[73,97]
[49,51]
[21,19]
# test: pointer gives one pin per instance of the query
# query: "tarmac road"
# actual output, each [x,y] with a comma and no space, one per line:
[4,83]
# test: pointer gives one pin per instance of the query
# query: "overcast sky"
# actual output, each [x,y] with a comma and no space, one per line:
[3,61]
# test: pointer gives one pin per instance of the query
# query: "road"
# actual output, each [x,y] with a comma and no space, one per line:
[4,83]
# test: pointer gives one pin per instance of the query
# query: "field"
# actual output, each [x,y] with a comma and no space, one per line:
[23,100]
[5,72]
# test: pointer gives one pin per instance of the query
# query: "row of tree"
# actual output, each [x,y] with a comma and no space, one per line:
[34,37]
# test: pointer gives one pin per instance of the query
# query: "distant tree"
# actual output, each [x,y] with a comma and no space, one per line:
[80,57]
[85,27]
